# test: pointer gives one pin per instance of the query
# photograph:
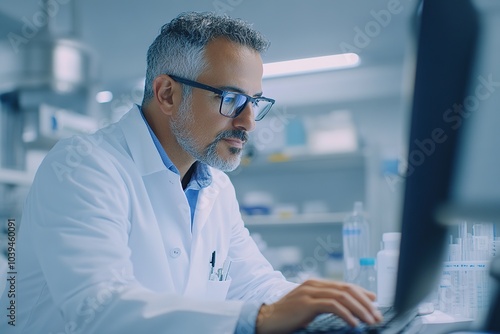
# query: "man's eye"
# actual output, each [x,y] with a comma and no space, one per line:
[228,99]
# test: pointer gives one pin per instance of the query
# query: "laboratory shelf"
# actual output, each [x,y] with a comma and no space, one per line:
[296,220]
[15,177]
[301,163]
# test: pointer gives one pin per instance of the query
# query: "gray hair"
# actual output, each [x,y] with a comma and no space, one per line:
[179,48]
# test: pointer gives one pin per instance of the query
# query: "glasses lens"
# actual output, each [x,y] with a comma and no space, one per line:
[232,104]
[261,108]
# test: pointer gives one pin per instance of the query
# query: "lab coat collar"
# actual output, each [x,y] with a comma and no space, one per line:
[163,155]
[145,153]
[148,161]
[140,143]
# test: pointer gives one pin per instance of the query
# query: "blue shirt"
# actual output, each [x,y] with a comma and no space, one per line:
[201,178]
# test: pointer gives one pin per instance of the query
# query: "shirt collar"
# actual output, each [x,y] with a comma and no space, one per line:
[201,177]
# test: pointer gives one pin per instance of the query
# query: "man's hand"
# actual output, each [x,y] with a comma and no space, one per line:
[313,297]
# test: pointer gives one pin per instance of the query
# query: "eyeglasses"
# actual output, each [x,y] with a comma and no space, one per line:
[232,103]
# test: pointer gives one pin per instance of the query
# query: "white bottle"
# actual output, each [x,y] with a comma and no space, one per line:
[387,268]
[356,242]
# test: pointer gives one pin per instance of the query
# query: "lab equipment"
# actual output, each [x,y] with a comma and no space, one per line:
[334,266]
[257,203]
[333,132]
[296,137]
[356,241]
[387,268]
[465,287]
[367,274]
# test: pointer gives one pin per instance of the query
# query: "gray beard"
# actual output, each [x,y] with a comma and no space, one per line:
[209,155]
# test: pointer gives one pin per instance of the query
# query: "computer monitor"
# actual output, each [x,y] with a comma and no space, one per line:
[475,190]
[446,34]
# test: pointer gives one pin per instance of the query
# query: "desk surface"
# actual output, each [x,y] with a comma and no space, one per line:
[438,323]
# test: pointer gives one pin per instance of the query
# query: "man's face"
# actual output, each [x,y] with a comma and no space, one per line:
[199,127]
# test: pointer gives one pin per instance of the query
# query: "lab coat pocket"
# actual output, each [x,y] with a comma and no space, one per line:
[217,290]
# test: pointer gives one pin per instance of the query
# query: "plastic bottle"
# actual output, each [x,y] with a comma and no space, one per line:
[356,242]
[334,266]
[367,274]
[387,268]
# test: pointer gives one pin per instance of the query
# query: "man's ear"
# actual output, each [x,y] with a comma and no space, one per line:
[166,94]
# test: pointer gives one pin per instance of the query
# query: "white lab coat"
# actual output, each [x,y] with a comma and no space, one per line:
[105,244]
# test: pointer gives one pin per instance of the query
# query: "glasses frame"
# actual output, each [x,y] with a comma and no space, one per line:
[223,93]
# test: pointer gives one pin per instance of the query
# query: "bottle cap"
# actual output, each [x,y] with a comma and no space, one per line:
[367,261]
[391,240]
[391,236]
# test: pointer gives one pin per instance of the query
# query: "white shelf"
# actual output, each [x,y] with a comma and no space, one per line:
[307,219]
[309,162]
[15,177]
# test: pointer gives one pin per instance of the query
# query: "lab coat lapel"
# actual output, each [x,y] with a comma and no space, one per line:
[206,199]
[142,149]
[173,216]
[202,245]
[167,199]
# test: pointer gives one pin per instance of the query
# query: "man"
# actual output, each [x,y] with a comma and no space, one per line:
[135,229]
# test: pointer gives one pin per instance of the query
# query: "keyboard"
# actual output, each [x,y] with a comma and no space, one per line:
[332,324]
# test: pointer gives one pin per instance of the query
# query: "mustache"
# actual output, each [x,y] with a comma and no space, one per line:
[237,134]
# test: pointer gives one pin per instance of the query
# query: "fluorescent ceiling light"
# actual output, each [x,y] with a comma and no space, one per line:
[310,65]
